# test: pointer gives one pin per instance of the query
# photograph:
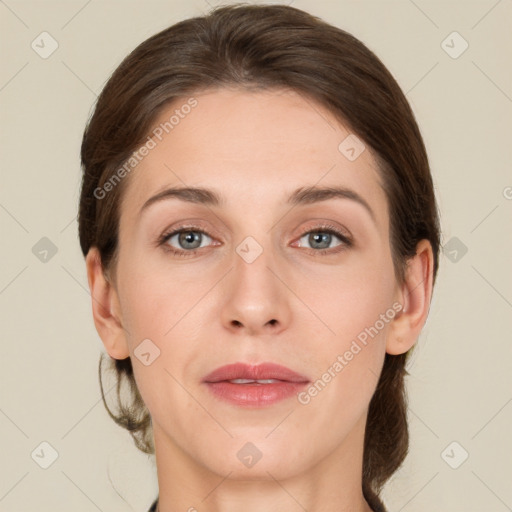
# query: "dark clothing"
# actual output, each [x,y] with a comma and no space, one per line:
[376,505]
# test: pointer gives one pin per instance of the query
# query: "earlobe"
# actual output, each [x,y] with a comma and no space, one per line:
[415,296]
[105,308]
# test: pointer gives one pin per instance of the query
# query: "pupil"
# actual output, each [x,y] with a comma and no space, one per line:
[326,237]
[189,237]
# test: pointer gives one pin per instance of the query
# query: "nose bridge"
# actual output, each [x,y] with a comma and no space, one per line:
[255,297]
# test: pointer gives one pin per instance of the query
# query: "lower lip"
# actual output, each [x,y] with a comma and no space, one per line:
[255,395]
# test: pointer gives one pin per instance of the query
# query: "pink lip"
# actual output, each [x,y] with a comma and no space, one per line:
[254,394]
[256,372]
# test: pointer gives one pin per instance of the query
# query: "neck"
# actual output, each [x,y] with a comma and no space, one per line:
[332,484]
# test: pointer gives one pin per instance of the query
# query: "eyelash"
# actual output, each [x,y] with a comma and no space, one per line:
[325,228]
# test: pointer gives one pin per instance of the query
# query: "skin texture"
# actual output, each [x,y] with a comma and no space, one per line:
[214,308]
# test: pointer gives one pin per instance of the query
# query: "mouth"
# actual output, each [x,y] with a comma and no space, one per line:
[254,385]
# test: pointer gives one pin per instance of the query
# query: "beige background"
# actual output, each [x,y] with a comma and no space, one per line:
[460,385]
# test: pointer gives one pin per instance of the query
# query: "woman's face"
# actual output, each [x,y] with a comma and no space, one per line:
[272,273]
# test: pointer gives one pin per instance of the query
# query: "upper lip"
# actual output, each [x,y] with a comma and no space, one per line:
[255,372]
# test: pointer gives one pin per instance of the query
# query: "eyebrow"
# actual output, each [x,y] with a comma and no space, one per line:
[300,196]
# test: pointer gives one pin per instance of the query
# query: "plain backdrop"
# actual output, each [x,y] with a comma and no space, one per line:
[451,58]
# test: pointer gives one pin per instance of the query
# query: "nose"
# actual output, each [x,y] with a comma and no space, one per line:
[256,297]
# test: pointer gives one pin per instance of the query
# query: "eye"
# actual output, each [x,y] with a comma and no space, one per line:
[184,241]
[320,240]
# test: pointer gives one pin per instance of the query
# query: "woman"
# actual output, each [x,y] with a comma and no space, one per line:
[261,237]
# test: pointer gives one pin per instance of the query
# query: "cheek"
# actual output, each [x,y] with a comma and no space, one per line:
[160,312]
[354,306]
[350,297]
[153,300]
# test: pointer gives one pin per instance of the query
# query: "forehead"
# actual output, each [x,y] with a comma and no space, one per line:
[252,147]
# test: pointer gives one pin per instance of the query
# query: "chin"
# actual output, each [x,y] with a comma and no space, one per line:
[257,460]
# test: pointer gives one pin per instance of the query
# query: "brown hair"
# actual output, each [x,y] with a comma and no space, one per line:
[267,47]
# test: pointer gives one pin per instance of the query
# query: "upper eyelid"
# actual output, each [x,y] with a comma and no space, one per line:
[326,226]
[192,227]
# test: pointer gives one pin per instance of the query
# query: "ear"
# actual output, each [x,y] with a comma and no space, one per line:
[105,308]
[414,295]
